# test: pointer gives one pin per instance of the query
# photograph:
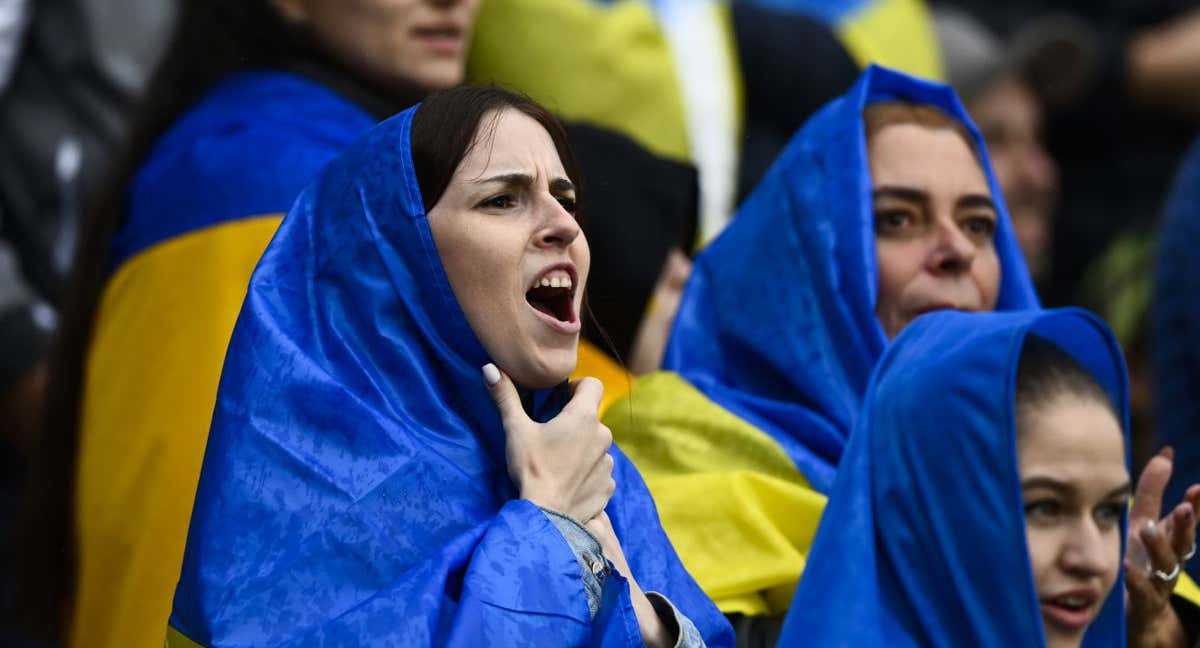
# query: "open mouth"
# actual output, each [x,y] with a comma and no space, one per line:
[1070,611]
[553,295]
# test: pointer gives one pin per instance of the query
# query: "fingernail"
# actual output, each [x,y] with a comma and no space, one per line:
[1151,528]
[1168,452]
[491,374]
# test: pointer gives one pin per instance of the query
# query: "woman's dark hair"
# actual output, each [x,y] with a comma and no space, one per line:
[212,40]
[1046,372]
[445,126]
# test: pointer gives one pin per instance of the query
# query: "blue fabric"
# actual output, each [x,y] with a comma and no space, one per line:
[1176,331]
[354,490]
[777,322]
[830,12]
[925,528]
[247,149]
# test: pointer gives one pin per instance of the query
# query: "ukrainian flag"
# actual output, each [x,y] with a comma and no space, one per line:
[200,212]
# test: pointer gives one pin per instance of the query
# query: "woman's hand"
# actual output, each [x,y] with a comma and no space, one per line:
[655,633]
[563,464]
[1155,553]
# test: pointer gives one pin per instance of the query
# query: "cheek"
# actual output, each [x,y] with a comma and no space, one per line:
[479,265]
[1043,552]
[897,263]
[986,271]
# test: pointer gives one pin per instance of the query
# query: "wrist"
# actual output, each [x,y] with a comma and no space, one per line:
[655,633]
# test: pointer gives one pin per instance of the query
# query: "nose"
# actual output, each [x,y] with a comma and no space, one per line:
[558,228]
[1085,553]
[952,252]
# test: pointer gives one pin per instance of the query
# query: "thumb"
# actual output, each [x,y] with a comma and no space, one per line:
[504,394]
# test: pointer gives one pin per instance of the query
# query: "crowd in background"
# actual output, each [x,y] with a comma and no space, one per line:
[1088,110]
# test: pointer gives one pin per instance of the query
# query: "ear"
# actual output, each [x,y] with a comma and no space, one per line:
[292,10]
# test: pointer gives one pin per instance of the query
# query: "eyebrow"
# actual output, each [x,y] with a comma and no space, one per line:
[1062,487]
[525,180]
[978,201]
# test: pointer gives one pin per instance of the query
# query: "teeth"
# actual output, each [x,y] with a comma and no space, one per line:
[553,282]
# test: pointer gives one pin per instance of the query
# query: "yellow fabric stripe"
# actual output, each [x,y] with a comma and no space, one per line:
[716,503]
[176,639]
[163,325]
[1186,588]
[595,363]
[895,33]
[607,64]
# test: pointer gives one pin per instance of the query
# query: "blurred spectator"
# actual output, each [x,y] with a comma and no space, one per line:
[1118,142]
[1176,328]
[1006,86]
[65,89]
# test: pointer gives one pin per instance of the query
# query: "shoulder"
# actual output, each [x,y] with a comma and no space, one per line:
[248,148]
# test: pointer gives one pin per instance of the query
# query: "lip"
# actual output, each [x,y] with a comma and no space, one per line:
[441,37]
[567,328]
[1066,619]
[933,307]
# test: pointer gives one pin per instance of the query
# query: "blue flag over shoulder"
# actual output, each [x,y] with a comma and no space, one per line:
[923,542]
[354,490]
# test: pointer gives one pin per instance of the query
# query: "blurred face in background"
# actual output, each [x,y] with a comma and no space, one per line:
[394,43]
[1074,484]
[935,222]
[1010,119]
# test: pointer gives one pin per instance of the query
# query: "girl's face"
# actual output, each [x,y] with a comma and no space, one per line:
[506,232]
[935,225]
[1071,453]
[395,43]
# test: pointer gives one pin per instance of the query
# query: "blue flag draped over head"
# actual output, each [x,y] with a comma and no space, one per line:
[777,323]
[923,541]
[354,490]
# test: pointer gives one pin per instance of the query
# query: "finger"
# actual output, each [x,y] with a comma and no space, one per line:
[676,270]
[504,394]
[1162,557]
[1147,499]
[586,394]
[1183,532]
[1192,496]
[1143,596]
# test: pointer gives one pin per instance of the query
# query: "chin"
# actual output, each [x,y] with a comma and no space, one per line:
[439,74]
[547,371]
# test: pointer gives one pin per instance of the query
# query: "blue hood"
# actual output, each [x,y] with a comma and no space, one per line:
[925,528]
[354,489]
[777,322]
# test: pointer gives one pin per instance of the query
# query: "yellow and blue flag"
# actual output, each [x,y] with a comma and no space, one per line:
[200,212]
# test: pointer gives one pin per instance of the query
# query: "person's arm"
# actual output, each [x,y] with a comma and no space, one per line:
[1163,65]
[661,623]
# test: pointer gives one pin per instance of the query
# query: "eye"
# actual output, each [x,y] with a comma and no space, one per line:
[1109,514]
[569,204]
[892,220]
[1043,510]
[983,227]
[501,201]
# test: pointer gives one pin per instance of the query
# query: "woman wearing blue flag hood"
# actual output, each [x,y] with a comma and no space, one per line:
[981,499]
[362,484]
[882,207]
